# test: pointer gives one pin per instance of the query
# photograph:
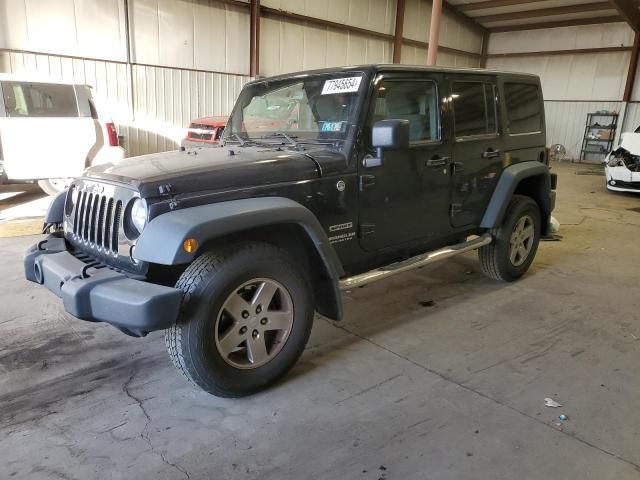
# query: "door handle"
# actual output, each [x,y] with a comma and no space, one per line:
[491,153]
[437,162]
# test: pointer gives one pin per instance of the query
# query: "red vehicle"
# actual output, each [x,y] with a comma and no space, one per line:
[204,132]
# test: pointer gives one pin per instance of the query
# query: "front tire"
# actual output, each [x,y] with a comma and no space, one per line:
[515,242]
[246,318]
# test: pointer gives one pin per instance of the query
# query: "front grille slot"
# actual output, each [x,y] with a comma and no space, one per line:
[96,221]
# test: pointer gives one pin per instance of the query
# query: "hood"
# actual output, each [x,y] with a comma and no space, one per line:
[631,142]
[222,168]
[211,121]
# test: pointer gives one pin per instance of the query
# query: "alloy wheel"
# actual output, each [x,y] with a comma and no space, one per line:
[521,241]
[254,323]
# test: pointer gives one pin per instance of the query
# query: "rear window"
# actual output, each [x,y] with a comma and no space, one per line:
[474,108]
[523,108]
[39,100]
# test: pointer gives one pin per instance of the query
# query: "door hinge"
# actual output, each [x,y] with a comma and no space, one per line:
[366,229]
[455,209]
[367,181]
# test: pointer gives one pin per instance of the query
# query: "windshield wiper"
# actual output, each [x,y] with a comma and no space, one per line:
[237,137]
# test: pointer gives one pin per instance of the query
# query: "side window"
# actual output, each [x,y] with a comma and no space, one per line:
[474,108]
[39,100]
[523,108]
[413,101]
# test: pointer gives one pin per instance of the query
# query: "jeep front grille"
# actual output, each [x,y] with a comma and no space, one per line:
[97,220]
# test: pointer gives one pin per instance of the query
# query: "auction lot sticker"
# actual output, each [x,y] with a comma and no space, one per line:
[341,85]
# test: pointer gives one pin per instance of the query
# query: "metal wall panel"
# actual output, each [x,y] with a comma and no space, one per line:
[453,33]
[632,118]
[83,28]
[594,77]
[289,46]
[165,100]
[202,35]
[412,55]
[566,120]
[564,38]
[377,15]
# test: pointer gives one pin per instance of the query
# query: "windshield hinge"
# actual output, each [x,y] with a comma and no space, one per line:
[367,229]
[367,181]
[164,189]
[173,204]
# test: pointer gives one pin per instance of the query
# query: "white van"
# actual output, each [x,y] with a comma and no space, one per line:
[51,132]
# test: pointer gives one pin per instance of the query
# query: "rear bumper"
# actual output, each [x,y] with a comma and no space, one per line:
[100,294]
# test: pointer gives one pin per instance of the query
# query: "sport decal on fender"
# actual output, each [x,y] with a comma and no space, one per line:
[341,226]
[342,237]
[341,85]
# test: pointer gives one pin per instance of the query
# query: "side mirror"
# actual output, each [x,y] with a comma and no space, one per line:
[388,135]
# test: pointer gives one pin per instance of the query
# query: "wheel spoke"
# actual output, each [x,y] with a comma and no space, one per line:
[236,305]
[256,349]
[513,254]
[278,321]
[527,232]
[264,294]
[523,252]
[231,341]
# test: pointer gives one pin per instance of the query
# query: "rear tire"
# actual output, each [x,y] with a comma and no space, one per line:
[246,318]
[53,186]
[515,242]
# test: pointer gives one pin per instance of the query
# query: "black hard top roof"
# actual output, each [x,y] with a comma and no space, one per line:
[373,68]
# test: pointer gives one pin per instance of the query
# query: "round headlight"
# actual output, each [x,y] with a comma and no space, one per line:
[139,214]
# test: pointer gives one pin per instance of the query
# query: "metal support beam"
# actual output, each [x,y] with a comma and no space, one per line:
[546,12]
[461,17]
[629,10]
[561,23]
[547,53]
[434,31]
[468,7]
[397,33]
[485,50]
[254,38]
[633,65]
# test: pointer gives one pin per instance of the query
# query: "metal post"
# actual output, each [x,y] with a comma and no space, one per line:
[397,34]
[485,50]
[254,38]
[434,32]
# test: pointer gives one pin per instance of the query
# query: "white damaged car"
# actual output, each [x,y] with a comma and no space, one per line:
[622,165]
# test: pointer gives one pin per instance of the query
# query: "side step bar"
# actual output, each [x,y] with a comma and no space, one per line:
[414,262]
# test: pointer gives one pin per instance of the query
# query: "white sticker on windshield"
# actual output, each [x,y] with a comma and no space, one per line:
[341,85]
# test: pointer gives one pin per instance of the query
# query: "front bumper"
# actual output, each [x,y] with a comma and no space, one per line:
[621,186]
[97,294]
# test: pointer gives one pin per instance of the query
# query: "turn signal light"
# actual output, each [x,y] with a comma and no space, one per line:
[190,245]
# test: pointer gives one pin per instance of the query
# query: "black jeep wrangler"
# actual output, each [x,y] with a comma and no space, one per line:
[326,180]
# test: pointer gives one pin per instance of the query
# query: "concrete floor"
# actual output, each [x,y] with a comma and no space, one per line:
[399,390]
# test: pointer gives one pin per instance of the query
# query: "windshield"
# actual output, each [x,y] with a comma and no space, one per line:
[314,108]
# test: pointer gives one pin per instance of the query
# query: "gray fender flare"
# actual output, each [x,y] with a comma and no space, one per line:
[506,186]
[55,212]
[162,239]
